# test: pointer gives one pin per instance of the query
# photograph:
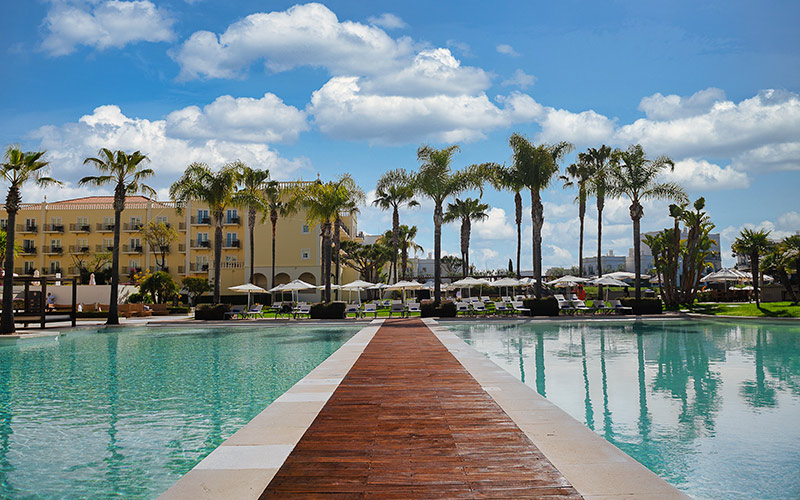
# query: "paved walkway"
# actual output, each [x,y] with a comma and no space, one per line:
[409,422]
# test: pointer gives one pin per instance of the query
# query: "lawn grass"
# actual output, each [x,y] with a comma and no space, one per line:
[767,310]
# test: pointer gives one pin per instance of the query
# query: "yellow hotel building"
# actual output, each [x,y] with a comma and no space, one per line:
[51,233]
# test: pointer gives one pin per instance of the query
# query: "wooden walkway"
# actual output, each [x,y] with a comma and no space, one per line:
[407,422]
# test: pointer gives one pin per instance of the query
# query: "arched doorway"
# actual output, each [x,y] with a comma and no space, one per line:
[281,279]
[308,278]
[260,280]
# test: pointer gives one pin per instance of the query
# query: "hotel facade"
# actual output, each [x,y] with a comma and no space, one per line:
[54,237]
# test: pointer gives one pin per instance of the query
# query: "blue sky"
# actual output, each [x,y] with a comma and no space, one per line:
[357,87]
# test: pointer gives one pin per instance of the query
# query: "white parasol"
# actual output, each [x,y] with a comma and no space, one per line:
[607,281]
[247,288]
[567,281]
[296,286]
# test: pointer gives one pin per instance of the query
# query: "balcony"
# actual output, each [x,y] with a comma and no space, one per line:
[103,248]
[27,228]
[105,228]
[231,244]
[80,228]
[200,221]
[54,228]
[53,250]
[155,269]
[202,244]
[132,249]
[233,221]
[31,250]
[203,268]
[127,271]
[132,227]
[51,270]
[78,249]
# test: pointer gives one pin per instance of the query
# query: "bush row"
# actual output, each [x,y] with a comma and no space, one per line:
[331,310]
[446,309]
[643,306]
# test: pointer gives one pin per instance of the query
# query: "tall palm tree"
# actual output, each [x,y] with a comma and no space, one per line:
[633,175]
[598,160]
[435,180]
[578,174]
[466,210]
[791,249]
[406,243]
[393,191]
[126,173]
[279,202]
[18,168]
[217,190]
[251,196]
[508,178]
[753,244]
[535,168]
[353,196]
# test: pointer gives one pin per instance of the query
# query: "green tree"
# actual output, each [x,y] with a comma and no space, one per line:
[160,286]
[159,237]
[18,168]
[195,286]
[466,211]
[598,161]
[791,250]
[97,264]
[753,244]
[252,196]
[406,243]
[280,202]
[436,180]
[367,260]
[777,262]
[579,174]
[511,179]
[353,196]
[394,191]
[126,173]
[217,190]
[633,175]
[452,265]
[3,244]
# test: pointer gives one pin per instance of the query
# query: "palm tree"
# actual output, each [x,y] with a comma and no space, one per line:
[753,244]
[393,191]
[435,180]
[535,167]
[777,262]
[633,175]
[251,195]
[598,161]
[17,168]
[217,190]
[126,173]
[353,196]
[507,178]
[279,202]
[406,243]
[466,210]
[791,249]
[578,174]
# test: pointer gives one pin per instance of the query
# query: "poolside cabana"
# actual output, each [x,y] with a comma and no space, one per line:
[34,302]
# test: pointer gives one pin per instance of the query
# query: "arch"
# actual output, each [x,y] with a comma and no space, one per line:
[260,280]
[308,278]
[281,279]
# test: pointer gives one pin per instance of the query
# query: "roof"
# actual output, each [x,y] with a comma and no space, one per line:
[99,202]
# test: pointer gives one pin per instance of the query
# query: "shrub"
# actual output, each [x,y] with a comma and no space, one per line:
[330,310]
[547,306]
[211,312]
[446,309]
[178,310]
[643,306]
[135,298]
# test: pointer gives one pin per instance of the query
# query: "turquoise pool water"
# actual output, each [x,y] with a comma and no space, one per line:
[712,407]
[124,414]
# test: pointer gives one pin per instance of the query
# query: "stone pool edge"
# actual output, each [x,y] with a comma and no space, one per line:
[243,465]
[596,468]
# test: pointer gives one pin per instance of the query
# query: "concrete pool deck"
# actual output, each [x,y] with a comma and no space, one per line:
[282,451]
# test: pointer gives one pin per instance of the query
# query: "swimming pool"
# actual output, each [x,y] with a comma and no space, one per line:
[712,407]
[125,413]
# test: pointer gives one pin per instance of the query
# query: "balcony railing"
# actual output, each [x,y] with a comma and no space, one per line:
[231,244]
[201,244]
[80,228]
[51,270]
[104,248]
[105,228]
[233,221]
[27,228]
[29,250]
[131,249]
[54,228]
[132,227]
[154,269]
[53,249]
[79,249]
[193,267]
[73,271]
[197,221]
[126,270]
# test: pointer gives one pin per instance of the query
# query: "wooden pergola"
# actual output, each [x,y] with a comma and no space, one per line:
[35,308]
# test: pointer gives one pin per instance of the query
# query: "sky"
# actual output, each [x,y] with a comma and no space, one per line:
[357,87]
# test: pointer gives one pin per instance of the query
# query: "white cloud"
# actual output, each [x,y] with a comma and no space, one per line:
[702,175]
[770,157]
[789,221]
[303,35]
[585,128]
[107,24]
[241,119]
[670,107]
[388,21]
[495,227]
[462,47]
[68,145]
[506,49]
[520,79]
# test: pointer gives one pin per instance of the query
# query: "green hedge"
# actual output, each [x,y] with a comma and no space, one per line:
[330,310]
[178,310]
[211,312]
[547,306]
[445,310]
[643,306]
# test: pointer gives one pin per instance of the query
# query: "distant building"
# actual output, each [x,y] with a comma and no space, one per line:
[610,264]
[713,260]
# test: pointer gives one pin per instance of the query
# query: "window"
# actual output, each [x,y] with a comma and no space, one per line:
[305,229]
[3,224]
[162,219]
[136,222]
[83,221]
[133,265]
[305,254]
[55,221]
[231,240]
[136,243]
[108,243]
[30,223]
[202,240]
[55,244]
[202,217]
[30,267]
[26,244]
[82,243]
[231,217]
[55,267]
[108,222]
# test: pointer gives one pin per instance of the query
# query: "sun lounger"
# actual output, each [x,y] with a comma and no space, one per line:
[559,297]
[234,312]
[581,306]
[603,307]
[352,309]
[506,299]
[566,307]
[413,307]
[397,308]
[463,307]
[370,308]
[302,310]
[500,307]
[478,307]
[617,305]
[254,312]
[519,308]
[485,299]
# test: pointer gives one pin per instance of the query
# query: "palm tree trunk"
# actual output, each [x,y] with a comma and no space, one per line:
[582,215]
[273,217]
[337,234]
[326,242]
[7,325]
[754,272]
[404,262]
[537,218]
[518,216]
[395,233]
[217,254]
[464,248]
[636,215]
[600,205]
[251,225]
[467,231]
[437,254]
[113,307]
